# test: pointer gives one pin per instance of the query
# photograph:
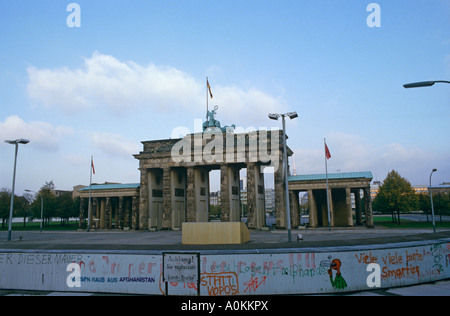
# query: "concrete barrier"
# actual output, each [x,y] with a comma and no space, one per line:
[232,272]
[215,233]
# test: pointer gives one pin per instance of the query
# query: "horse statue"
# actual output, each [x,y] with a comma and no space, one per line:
[212,125]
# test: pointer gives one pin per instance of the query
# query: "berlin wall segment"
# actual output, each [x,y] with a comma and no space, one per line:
[229,274]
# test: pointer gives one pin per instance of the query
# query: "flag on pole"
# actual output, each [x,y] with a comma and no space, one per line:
[327,156]
[90,188]
[327,152]
[209,88]
[92,164]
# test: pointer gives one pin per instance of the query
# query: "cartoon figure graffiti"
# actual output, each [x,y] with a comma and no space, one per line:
[338,282]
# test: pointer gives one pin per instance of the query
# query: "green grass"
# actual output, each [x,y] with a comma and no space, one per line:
[36,226]
[386,221]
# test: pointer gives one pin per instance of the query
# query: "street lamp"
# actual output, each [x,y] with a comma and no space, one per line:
[423,84]
[42,208]
[14,142]
[275,116]
[432,208]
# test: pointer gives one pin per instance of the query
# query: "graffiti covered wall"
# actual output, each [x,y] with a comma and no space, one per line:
[228,274]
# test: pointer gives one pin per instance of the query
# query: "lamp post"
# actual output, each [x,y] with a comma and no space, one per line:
[423,84]
[14,142]
[275,116]
[42,208]
[432,208]
[420,85]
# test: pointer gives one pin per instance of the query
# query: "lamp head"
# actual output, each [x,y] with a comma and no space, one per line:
[274,116]
[419,84]
[23,141]
[17,141]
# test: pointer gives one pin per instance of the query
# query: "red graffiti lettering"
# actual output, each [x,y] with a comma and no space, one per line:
[253,284]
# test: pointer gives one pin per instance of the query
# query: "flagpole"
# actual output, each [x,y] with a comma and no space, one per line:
[326,177]
[89,202]
[207,107]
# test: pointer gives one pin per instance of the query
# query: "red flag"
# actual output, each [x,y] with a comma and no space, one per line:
[327,152]
[209,88]
[92,164]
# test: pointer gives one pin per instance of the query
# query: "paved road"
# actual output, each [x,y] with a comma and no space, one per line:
[440,288]
[171,240]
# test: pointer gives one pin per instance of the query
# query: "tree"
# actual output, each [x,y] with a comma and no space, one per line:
[50,203]
[425,204]
[61,205]
[5,202]
[21,206]
[396,196]
[441,202]
[66,208]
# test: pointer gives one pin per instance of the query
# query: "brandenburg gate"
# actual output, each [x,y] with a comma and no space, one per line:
[174,176]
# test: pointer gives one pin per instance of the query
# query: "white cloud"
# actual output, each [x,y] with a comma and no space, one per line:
[246,107]
[351,152]
[76,160]
[115,145]
[104,81]
[42,135]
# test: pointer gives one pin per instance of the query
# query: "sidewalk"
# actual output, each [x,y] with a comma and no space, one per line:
[440,288]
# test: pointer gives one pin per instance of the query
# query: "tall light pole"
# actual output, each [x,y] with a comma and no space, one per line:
[420,85]
[42,208]
[275,116]
[432,208]
[423,84]
[14,142]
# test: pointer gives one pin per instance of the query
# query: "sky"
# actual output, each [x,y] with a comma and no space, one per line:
[98,77]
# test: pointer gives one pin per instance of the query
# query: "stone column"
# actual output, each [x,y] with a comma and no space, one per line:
[252,219]
[229,193]
[102,213]
[155,192]
[224,193]
[312,209]
[368,201]
[167,199]
[202,194]
[178,184]
[358,216]
[348,201]
[107,213]
[95,213]
[256,217]
[191,195]
[120,216]
[127,215]
[143,202]
[135,213]
[294,207]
